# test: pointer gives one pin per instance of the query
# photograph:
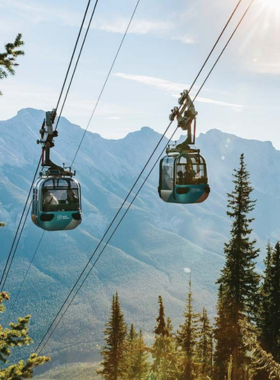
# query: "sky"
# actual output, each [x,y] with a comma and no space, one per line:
[164,49]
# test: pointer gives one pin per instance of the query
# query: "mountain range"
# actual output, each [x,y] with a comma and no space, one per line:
[153,251]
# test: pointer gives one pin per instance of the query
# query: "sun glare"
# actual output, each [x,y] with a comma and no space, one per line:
[273,5]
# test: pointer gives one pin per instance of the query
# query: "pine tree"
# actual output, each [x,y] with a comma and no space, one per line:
[263,361]
[137,356]
[264,316]
[17,336]
[114,352]
[269,308]
[131,352]
[205,345]
[163,349]
[186,340]
[222,335]
[270,303]
[142,358]
[8,59]
[239,280]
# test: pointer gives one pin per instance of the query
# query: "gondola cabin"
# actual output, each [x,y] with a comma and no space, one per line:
[183,178]
[56,203]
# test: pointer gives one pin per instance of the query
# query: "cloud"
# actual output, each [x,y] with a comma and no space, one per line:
[162,29]
[173,88]
[159,83]
[141,27]
[217,102]
[185,39]
[38,13]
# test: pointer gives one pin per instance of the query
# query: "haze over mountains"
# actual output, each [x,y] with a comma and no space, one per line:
[152,248]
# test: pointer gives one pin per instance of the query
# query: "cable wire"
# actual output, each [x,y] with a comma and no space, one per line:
[53,323]
[107,242]
[102,90]
[22,214]
[214,46]
[13,255]
[36,172]
[73,53]
[106,80]
[77,62]
[222,52]
[103,87]
[25,276]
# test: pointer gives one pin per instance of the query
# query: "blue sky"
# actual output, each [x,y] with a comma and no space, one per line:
[166,45]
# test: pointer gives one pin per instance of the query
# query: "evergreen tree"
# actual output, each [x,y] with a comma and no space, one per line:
[131,352]
[264,317]
[114,353]
[142,358]
[205,345]
[137,356]
[222,335]
[8,58]
[270,303]
[163,349]
[17,336]
[239,279]
[186,340]
[267,367]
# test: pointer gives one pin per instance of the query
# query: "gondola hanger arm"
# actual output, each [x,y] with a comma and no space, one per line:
[186,113]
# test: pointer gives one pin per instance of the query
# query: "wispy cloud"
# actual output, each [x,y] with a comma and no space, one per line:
[185,39]
[217,102]
[36,13]
[173,88]
[161,84]
[118,25]
[39,13]
[157,28]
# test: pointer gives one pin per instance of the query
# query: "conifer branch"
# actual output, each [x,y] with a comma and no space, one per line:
[262,359]
[16,336]
[8,58]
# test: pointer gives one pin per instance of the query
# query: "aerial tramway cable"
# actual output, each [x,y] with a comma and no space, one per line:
[77,62]
[106,80]
[96,104]
[15,299]
[55,323]
[73,53]
[12,252]
[22,228]
[214,46]
[17,231]
[226,45]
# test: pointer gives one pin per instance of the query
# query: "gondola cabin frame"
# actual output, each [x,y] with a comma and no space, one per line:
[56,203]
[183,178]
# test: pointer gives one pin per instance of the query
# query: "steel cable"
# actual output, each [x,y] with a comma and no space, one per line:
[53,323]
[36,172]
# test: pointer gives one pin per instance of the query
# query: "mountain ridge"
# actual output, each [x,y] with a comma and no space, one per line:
[154,244]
